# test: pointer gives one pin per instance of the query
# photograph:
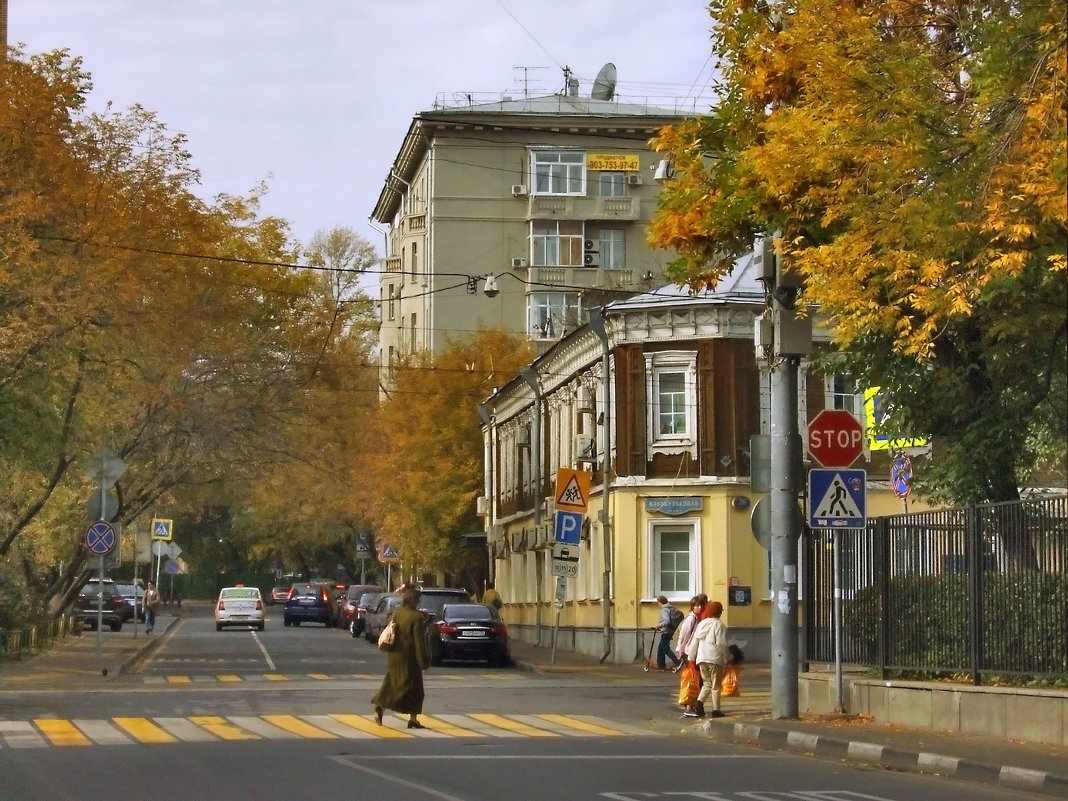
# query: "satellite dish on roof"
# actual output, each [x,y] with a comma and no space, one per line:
[604,85]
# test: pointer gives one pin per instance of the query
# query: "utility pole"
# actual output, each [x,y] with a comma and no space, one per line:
[785,338]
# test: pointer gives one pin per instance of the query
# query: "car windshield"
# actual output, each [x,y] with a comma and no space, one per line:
[467,612]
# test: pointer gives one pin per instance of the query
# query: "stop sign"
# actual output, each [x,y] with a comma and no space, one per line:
[835,438]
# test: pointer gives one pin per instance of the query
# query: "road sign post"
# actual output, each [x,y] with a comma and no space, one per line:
[835,438]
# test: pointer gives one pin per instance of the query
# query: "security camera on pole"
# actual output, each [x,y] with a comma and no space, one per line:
[783,337]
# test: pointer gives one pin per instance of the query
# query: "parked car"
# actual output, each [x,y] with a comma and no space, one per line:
[309,602]
[380,614]
[133,594]
[239,606]
[100,600]
[467,631]
[352,613]
[279,594]
[432,599]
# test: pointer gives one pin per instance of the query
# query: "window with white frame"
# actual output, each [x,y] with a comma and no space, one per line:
[558,172]
[551,314]
[842,393]
[556,243]
[672,398]
[612,184]
[673,558]
[391,303]
[610,244]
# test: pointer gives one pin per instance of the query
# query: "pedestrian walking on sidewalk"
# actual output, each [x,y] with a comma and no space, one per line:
[708,649]
[402,688]
[687,628]
[151,601]
[670,618]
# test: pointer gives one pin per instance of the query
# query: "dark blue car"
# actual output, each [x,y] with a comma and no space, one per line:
[309,603]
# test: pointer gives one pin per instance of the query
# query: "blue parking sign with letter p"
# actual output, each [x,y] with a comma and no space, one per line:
[568,527]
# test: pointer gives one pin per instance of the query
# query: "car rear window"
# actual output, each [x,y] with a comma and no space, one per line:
[249,593]
[432,602]
[467,612]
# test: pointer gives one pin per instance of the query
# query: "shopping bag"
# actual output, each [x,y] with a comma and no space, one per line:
[388,635]
[729,684]
[689,684]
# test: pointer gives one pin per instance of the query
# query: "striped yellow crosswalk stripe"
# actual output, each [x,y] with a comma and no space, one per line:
[61,732]
[144,730]
[45,732]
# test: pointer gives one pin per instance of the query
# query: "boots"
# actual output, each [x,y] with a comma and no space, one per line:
[699,708]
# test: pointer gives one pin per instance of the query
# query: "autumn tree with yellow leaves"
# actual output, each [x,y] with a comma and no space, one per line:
[136,316]
[912,157]
[421,484]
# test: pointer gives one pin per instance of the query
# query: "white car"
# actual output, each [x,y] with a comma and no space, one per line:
[239,606]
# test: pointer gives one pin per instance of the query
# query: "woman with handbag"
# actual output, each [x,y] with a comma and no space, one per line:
[402,687]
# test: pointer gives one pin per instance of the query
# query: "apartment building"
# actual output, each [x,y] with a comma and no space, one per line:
[514,213]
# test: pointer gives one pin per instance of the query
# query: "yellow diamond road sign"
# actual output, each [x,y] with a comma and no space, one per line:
[572,490]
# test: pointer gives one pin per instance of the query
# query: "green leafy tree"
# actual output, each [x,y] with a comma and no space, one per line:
[912,158]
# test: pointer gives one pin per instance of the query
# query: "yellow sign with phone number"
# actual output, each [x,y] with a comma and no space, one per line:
[613,162]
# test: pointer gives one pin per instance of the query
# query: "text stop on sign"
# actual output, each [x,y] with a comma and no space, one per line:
[835,438]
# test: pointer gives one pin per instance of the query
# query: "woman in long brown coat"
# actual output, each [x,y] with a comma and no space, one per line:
[402,687]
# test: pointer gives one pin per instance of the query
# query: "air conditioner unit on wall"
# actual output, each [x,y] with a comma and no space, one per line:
[634,179]
[519,190]
[519,262]
[584,445]
[590,259]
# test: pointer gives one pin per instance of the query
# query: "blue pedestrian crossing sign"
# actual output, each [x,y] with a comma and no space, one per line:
[837,498]
[162,529]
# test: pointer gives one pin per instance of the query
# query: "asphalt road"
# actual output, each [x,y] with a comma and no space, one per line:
[286,713]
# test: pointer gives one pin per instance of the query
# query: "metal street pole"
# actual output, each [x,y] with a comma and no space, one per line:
[785,459]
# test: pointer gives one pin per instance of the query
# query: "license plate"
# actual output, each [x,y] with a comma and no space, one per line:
[473,633]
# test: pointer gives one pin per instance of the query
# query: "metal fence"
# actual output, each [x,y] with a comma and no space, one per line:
[28,640]
[980,590]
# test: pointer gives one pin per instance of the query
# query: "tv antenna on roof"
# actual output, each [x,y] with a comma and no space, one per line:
[526,77]
[604,85]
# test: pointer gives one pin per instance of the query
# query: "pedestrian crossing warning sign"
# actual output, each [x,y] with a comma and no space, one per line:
[572,489]
[837,498]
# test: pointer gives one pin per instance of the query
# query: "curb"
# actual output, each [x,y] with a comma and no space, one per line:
[781,739]
[152,643]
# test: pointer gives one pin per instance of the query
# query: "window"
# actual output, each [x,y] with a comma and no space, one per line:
[412,342]
[842,394]
[551,314]
[415,259]
[559,172]
[612,184]
[391,303]
[611,246]
[673,558]
[672,394]
[556,244]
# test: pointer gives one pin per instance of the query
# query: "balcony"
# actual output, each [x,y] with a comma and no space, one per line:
[541,207]
[583,277]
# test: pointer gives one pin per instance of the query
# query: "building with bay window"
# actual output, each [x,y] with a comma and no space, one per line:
[666,435]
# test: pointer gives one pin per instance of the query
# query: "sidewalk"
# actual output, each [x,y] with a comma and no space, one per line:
[1007,763]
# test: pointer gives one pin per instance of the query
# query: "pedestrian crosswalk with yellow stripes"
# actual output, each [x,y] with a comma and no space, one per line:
[59,732]
[235,678]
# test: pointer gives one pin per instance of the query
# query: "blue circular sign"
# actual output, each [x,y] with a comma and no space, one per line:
[100,538]
[901,475]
